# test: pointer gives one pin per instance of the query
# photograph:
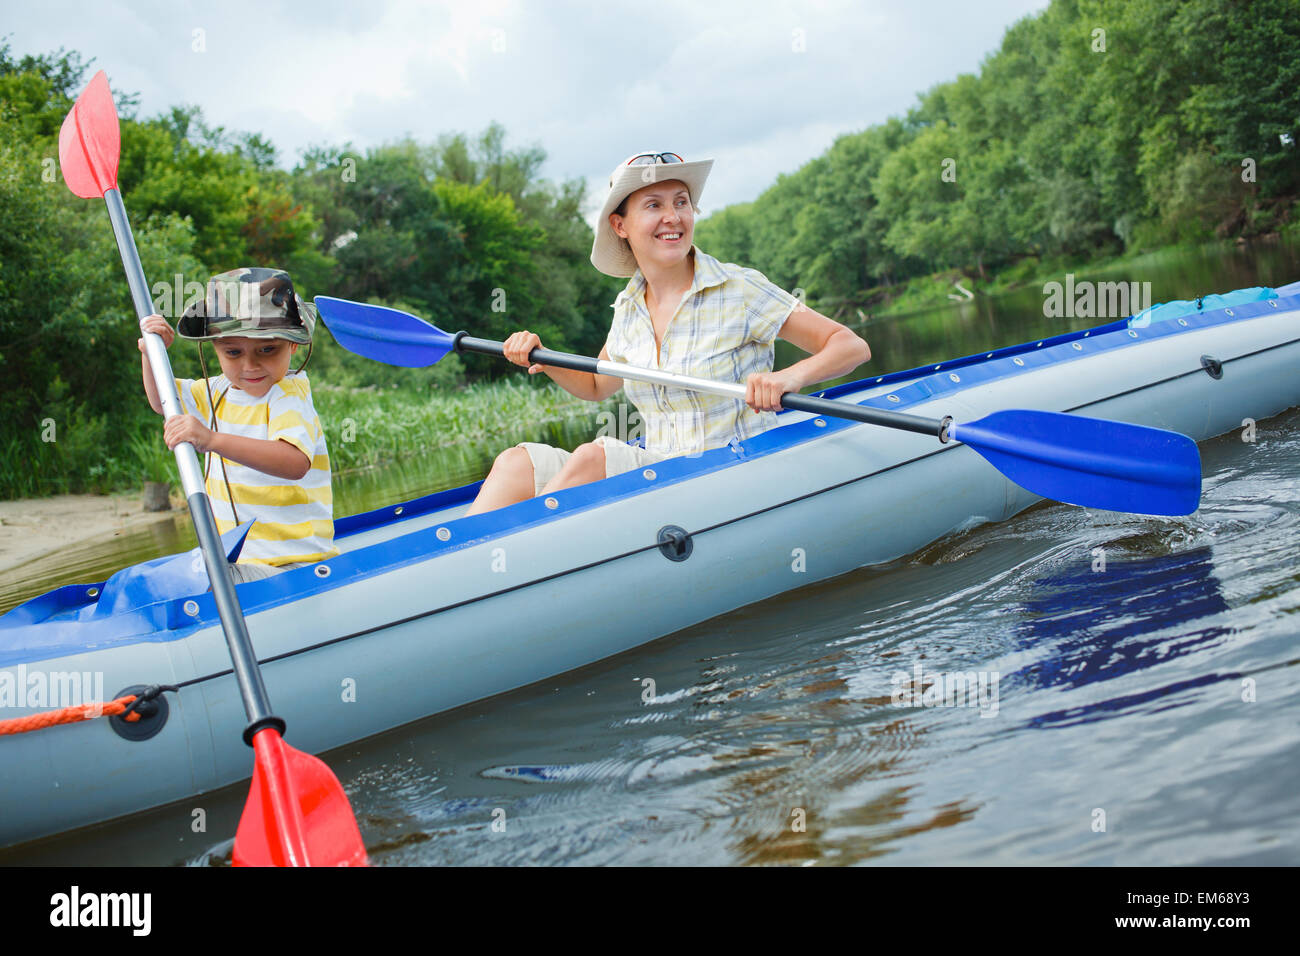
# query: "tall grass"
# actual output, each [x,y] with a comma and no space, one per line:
[369,426]
[150,458]
[364,427]
[85,454]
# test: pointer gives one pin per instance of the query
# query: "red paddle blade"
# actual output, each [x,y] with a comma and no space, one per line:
[297,813]
[90,141]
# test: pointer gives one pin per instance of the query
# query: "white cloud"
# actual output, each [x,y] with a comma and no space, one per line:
[588,81]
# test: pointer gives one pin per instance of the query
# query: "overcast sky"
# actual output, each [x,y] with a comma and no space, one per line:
[761,87]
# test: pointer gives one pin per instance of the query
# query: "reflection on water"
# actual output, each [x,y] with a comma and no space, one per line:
[95,561]
[1096,625]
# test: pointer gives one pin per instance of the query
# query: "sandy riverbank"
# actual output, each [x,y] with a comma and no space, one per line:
[31,527]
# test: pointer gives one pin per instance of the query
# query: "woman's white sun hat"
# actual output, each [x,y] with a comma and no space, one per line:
[610,253]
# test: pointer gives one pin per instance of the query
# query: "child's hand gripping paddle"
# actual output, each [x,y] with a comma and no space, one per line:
[297,813]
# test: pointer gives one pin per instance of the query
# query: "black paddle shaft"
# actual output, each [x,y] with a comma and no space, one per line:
[792,400]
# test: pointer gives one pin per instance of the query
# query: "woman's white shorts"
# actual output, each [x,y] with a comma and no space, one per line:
[619,457]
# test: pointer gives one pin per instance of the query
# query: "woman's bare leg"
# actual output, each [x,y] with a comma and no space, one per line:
[586,464]
[509,481]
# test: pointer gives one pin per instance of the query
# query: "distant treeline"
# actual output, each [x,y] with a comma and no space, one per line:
[1097,128]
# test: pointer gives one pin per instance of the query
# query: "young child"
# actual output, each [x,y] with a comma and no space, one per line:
[683,312]
[266,454]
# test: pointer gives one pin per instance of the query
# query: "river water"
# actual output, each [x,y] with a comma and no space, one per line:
[1138,706]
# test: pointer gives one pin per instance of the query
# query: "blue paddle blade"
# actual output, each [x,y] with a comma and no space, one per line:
[383,334]
[1090,462]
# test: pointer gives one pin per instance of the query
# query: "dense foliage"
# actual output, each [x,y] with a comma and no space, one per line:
[462,231]
[1098,127]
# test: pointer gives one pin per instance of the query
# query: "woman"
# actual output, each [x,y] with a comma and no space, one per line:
[685,312]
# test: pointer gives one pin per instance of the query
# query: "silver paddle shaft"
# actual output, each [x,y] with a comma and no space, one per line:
[164,381]
[940,428]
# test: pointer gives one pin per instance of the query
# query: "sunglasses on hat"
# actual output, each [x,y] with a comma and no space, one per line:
[650,159]
[645,159]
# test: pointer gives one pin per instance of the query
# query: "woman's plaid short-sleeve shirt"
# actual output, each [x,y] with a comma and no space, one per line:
[724,329]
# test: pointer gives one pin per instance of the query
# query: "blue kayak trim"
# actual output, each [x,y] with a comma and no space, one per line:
[1181,308]
[68,619]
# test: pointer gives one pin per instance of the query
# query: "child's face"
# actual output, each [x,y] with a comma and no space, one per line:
[254,365]
[660,223]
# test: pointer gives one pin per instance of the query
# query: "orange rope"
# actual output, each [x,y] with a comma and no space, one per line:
[68,715]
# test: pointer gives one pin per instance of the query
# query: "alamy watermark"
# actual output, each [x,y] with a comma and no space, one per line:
[1094,300]
[922,688]
[76,908]
[625,424]
[172,299]
[20,687]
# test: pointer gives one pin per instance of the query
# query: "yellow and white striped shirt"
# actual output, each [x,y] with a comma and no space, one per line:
[295,519]
[725,329]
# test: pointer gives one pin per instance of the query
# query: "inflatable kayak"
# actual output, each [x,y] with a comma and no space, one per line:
[425,610]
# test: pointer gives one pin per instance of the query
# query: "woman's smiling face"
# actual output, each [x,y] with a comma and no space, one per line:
[659,223]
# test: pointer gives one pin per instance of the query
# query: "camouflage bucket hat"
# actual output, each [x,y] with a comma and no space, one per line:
[254,302]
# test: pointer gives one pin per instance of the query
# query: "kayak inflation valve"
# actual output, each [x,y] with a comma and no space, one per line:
[675,543]
[149,704]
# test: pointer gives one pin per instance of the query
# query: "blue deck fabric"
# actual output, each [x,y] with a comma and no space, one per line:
[1179,308]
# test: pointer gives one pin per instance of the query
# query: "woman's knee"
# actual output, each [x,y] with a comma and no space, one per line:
[586,464]
[588,458]
[513,461]
[510,480]
[513,468]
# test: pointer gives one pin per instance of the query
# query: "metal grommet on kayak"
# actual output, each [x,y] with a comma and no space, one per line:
[443,534]
[322,570]
[649,474]
[675,543]
[551,503]
[150,706]
[191,608]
